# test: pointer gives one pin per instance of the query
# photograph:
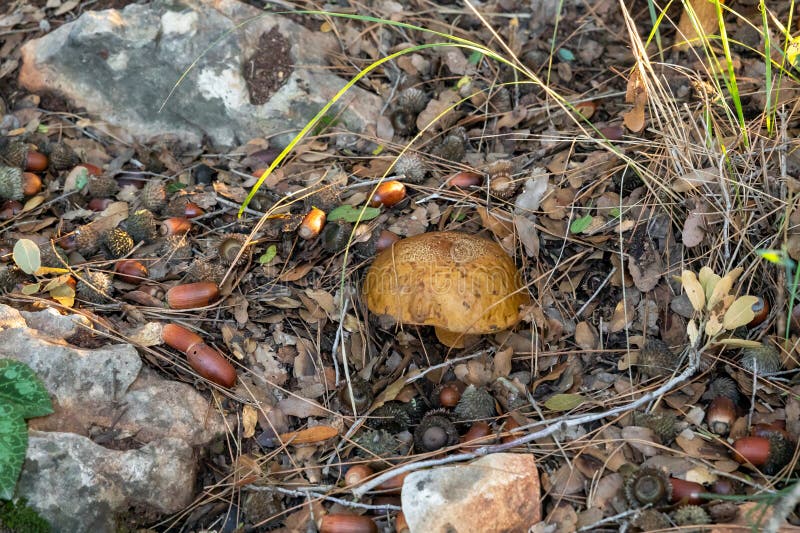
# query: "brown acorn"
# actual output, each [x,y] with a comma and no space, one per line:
[175,226]
[388,194]
[192,295]
[357,474]
[385,239]
[465,179]
[686,491]
[94,287]
[312,224]
[761,312]
[449,396]
[434,432]
[117,242]
[347,523]
[478,430]
[154,196]
[770,453]
[36,161]
[720,415]
[31,184]
[91,170]
[179,337]
[131,271]
[210,364]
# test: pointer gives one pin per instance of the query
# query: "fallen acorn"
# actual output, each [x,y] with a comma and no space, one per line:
[175,226]
[400,524]
[210,364]
[192,295]
[686,492]
[179,337]
[392,485]
[721,415]
[388,193]
[449,396]
[31,184]
[770,453]
[465,179]
[36,161]
[356,474]
[131,271]
[385,240]
[312,224]
[761,312]
[347,523]
[476,432]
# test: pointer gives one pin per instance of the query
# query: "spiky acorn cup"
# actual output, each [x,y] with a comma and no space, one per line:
[475,404]
[411,168]
[325,198]
[52,256]
[336,235]
[453,147]
[87,240]
[204,270]
[409,104]
[230,246]
[10,276]
[142,226]
[61,156]
[15,153]
[176,248]
[117,242]
[765,359]
[154,196]
[102,186]
[435,431]
[416,408]
[376,443]
[725,387]
[412,99]
[648,486]
[691,515]
[391,416]
[665,425]
[652,520]
[11,183]
[656,359]
[501,182]
[94,287]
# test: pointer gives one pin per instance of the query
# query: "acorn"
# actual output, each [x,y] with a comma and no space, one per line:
[61,155]
[478,430]
[31,184]
[465,179]
[385,239]
[179,337]
[229,247]
[94,287]
[204,270]
[183,206]
[357,474]
[154,195]
[501,183]
[36,161]
[376,443]
[192,295]
[391,416]
[656,359]
[102,186]
[175,226]
[91,170]
[686,491]
[210,364]
[131,271]
[361,396]
[765,359]
[176,248]
[771,453]
[475,404]
[393,485]
[434,432]
[664,425]
[347,523]
[648,486]
[720,415]
[11,183]
[388,194]
[400,523]
[691,515]
[312,224]
[449,396]
[141,226]
[410,167]
[99,204]
[453,147]
[117,242]
[723,386]
[87,240]
[761,312]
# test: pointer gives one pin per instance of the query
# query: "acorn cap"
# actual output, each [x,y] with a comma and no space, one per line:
[691,515]
[725,387]
[117,242]
[459,283]
[141,226]
[475,404]
[781,451]
[453,147]
[501,183]
[665,425]
[391,416]
[11,183]
[648,486]
[15,153]
[325,198]
[176,248]
[102,186]
[656,359]
[94,287]
[229,246]
[434,432]
[652,520]
[154,196]
[336,235]
[52,256]
[765,359]
[412,100]
[411,167]
[204,270]
[61,156]
[87,240]
[361,396]
[376,442]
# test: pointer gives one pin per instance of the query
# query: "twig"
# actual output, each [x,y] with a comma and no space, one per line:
[308,493]
[446,364]
[565,423]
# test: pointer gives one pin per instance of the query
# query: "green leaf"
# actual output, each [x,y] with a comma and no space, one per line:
[580,224]
[348,213]
[564,402]
[27,256]
[565,54]
[269,255]
[13,443]
[82,179]
[20,387]
[174,187]
[615,212]
[475,58]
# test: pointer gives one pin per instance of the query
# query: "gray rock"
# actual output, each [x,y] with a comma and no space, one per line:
[121,65]
[79,486]
[499,492]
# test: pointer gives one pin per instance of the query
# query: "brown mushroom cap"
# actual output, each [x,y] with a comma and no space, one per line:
[459,283]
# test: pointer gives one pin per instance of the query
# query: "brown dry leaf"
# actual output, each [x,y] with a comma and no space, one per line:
[511,118]
[608,488]
[301,407]
[527,234]
[296,273]
[705,178]
[694,290]
[502,363]
[35,225]
[642,439]
[705,15]
[636,94]
[694,227]
[622,317]
[309,435]
[586,336]
[438,113]
[645,274]
[500,227]
[249,419]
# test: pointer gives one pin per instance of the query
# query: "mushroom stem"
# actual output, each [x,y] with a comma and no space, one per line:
[453,339]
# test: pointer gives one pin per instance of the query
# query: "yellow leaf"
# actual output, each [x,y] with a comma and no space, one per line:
[249,419]
[739,343]
[692,332]
[740,313]
[31,288]
[694,291]
[563,402]
[713,326]
[33,203]
[723,288]
[708,279]
[63,294]
[46,271]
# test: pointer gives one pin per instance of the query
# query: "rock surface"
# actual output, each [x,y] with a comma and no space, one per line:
[260,79]
[121,435]
[499,492]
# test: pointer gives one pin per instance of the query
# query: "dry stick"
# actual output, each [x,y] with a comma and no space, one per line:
[564,424]
[308,493]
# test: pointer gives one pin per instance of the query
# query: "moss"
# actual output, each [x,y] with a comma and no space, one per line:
[18,517]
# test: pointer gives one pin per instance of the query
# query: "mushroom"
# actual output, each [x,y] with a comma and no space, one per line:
[459,283]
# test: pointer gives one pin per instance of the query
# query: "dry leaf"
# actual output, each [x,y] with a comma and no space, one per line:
[502,363]
[694,227]
[249,419]
[708,279]
[297,272]
[586,336]
[695,179]
[636,94]
[694,290]
[723,288]
[705,16]
[309,435]
[500,227]
[713,326]
[740,313]
[622,317]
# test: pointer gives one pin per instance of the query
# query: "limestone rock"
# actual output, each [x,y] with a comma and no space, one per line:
[499,492]
[121,65]
[78,485]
